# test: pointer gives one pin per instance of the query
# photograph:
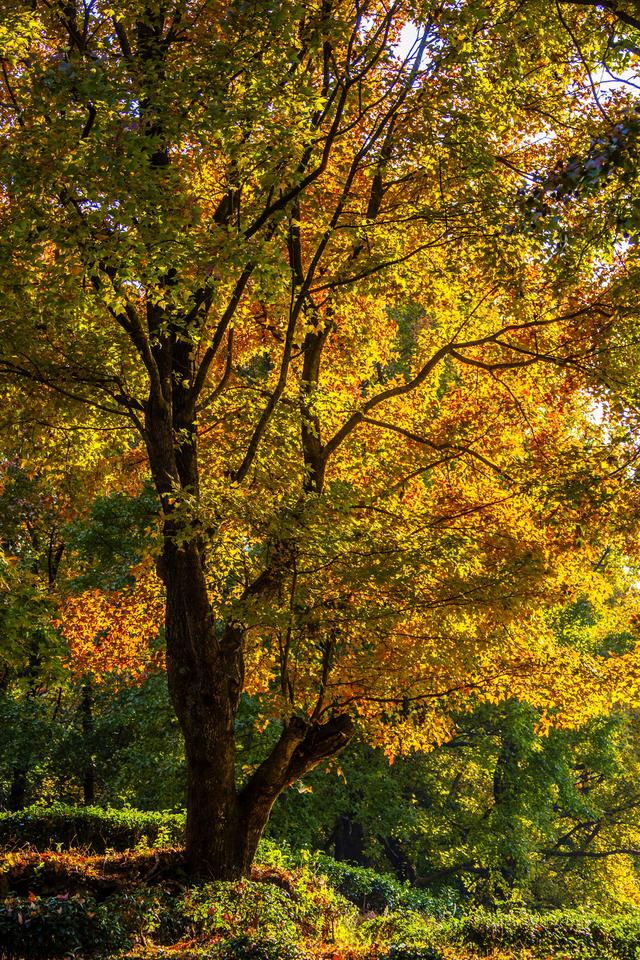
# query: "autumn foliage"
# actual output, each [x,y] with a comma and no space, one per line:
[114,632]
[284,257]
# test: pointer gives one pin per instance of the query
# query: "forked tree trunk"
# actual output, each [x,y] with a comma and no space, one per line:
[205,688]
[205,672]
[205,663]
[223,829]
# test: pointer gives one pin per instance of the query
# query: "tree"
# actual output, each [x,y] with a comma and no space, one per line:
[268,243]
[56,541]
[31,548]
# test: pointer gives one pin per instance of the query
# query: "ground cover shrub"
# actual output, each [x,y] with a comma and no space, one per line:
[61,903]
[407,951]
[559,933]
[146,893]
[92,828]
[292,909]
[259,948]
[49,927]
[151,915]
[364,887]
[406,927]
[73,871]
[562,934]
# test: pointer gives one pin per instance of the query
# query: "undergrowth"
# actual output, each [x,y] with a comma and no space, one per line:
[139,904]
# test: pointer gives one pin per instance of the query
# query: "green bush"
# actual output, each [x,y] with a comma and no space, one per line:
[259,948]
[152,914]
[92,828]
[406,951]
[372,891]
[39,927]
[262,909]
[282,905]
[571,933]
[560,934]
[362,886]
[406,927]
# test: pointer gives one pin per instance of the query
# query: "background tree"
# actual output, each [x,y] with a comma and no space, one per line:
[72,700]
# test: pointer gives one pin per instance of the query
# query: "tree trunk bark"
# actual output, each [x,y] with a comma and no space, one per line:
[205,676]
[224,826]
[347,838]
[89,778]
[18,790]
[214,836]
[205,672]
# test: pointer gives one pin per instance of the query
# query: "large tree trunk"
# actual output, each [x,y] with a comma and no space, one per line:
[205,673]
[205,660]
[215,838]
[204,668]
